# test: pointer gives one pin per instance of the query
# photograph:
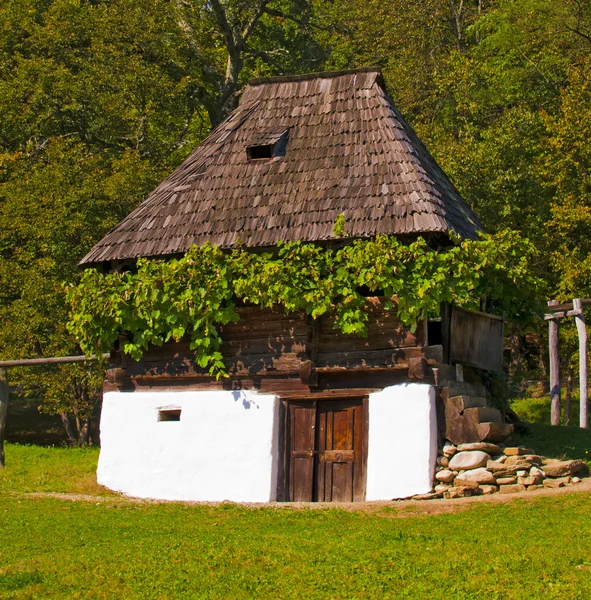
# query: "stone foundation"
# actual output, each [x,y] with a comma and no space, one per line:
[485,468]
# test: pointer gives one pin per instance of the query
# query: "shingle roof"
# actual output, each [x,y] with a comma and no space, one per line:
[348,151]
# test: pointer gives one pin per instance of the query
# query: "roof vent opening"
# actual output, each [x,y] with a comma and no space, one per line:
[267,144]
[258,152]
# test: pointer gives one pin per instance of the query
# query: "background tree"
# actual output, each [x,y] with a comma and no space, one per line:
[101,99]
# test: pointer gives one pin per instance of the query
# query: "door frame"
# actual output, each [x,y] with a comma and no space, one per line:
[284,449]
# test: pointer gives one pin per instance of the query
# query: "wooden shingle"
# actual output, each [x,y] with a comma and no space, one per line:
[349,151]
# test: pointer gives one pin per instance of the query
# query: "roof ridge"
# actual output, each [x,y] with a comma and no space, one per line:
[308,76]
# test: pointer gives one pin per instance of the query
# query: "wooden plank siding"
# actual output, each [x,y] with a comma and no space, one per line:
[268,349]
[476,339]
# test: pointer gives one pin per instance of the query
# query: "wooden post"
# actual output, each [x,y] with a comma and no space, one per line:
[554,367]
[582,331]
[3,412]
[568,397]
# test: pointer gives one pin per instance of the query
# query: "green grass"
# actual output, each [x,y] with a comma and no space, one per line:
[556,442]
[525,549]
[537,410]
[111,547]
[39,469]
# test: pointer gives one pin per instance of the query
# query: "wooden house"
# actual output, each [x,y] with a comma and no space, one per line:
[307,413]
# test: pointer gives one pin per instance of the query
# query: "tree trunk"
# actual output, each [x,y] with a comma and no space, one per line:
[516,364]
[72,438]
[3,413]
[84,433]
[457,10]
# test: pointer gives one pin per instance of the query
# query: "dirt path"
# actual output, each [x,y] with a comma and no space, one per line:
[398,508]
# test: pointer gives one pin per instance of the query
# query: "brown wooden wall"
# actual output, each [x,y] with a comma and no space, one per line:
[270,345]
[476,339]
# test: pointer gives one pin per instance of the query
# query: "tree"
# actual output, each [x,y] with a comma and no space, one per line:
[99,100]
[54,203]
[230,40]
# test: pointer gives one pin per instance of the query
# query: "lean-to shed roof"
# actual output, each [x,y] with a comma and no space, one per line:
[344,148]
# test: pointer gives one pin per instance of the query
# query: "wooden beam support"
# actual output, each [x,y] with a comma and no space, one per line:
[553,326]
[3,413]
[59,360]
[582,331]
[556,307]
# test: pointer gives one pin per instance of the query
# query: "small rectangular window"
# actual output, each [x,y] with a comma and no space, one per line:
[255,152]
[265,145]
[169,414]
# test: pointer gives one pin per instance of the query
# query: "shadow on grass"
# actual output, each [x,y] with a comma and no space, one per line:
[562,441]
[557,442]
[17,580]
[26,425]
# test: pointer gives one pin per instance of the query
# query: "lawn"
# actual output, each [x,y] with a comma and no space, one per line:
[557,442]
[111,547]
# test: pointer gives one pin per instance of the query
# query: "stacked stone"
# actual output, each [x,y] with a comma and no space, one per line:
[485,468]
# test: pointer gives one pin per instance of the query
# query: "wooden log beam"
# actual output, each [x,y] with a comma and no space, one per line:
[3,413]
[57,360]
[556,307]
[582,331]
[554,366]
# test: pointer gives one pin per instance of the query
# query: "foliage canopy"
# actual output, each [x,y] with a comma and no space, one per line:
[193,295]
[101,99]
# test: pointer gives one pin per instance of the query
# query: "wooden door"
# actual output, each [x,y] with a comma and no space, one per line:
[341,456]
[301,445]
[326,450]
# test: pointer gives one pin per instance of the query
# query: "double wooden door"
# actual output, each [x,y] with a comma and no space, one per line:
[326,450]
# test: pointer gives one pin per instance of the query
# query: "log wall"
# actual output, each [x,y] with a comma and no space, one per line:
[272,351]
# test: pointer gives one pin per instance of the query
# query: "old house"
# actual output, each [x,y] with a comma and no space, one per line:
[307,413]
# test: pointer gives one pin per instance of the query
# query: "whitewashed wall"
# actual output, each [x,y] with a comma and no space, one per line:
[402,445]
[223,448]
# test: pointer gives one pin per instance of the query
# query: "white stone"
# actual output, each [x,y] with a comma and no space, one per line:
[479,476]
[401,417]
[469,460]
[535,472]
[225,446]
[445,476]
[521,473]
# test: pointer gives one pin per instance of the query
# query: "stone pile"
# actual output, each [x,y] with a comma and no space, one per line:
[485,468]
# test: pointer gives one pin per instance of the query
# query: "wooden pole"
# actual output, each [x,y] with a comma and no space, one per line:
[59,360]
[554,367]
[582,331]
[3,413]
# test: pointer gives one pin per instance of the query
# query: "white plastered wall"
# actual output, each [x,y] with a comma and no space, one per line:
[223,448]
[402,441]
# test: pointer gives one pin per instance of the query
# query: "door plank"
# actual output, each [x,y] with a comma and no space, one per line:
[302,426]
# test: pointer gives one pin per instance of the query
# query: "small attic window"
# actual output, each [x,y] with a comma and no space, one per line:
[257,152]
[265,145]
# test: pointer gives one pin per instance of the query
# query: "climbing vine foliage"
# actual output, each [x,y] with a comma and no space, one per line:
[191,297]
